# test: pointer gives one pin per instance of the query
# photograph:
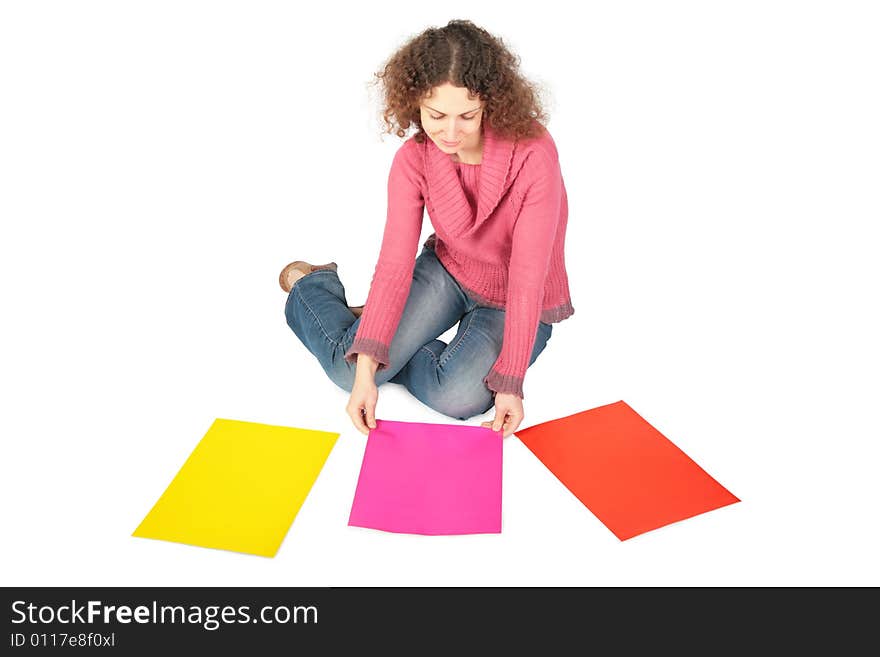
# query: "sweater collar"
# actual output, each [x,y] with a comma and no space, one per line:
[444,186]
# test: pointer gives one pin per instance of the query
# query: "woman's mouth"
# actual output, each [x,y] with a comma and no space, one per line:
[449,144]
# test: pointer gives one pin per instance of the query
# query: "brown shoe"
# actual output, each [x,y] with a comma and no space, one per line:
[300,266]
[356,310]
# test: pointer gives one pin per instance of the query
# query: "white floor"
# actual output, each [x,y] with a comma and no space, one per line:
[722,177]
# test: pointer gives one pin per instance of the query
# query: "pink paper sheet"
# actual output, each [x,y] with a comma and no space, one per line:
[419,478]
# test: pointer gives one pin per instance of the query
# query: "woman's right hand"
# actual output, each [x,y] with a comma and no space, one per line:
[361,406]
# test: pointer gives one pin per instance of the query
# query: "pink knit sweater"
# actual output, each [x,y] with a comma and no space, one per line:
[499,230]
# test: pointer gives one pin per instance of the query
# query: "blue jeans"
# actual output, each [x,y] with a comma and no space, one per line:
[447,378]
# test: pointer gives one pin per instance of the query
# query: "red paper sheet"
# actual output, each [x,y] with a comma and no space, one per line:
[626,472]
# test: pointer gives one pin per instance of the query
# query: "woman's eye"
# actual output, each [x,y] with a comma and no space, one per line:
[466,118]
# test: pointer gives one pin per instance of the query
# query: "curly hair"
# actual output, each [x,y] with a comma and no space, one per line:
[466,56]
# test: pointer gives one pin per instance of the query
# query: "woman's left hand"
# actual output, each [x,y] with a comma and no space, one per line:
[508,413]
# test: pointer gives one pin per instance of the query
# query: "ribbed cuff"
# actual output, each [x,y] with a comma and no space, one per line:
[505,383]
[374,348]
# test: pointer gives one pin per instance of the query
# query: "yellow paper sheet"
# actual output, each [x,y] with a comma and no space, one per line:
[241,487]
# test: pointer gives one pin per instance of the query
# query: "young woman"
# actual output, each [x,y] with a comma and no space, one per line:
[484,166]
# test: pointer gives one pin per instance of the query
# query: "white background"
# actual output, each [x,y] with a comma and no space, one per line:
[161,161]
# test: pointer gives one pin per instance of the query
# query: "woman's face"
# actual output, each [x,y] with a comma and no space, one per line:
[451,118]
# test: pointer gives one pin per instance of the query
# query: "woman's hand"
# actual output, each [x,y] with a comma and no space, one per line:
[361,406]
[508,413]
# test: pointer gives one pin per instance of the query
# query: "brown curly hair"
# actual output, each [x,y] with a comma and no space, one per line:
[466,56]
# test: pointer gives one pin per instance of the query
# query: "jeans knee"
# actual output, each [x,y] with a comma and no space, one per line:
[341,376]
[461,402]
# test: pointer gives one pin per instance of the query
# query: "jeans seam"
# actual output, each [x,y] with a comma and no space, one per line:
[430,353]
[450,353]
[317,319]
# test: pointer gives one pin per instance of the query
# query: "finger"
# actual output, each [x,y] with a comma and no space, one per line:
[358,420]
[498,422]
[511,424]
[370,412]
[363,419]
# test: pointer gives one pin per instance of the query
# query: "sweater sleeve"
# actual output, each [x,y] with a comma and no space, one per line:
[534,235]
[392,276]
